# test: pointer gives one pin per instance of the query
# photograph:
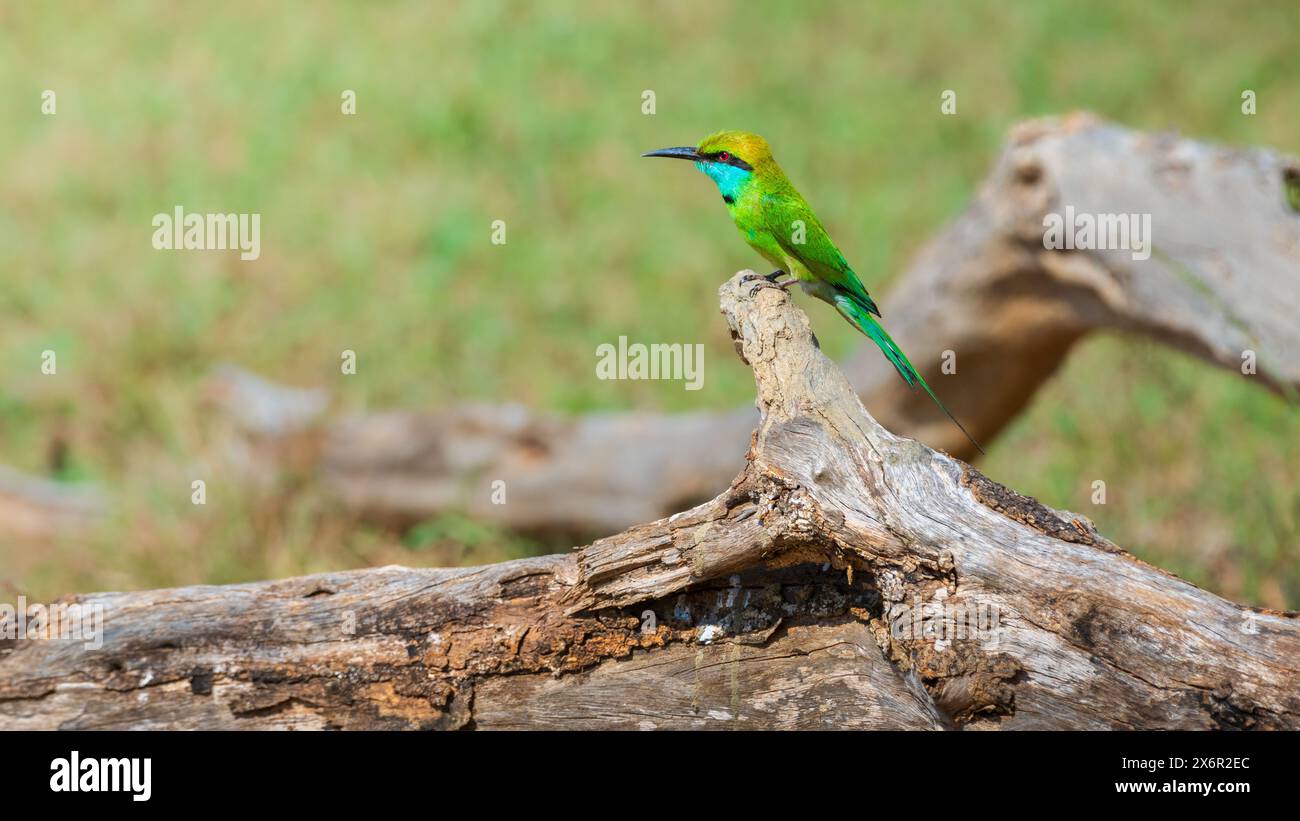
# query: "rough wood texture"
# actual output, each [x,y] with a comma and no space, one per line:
[1226,256]
[775,604]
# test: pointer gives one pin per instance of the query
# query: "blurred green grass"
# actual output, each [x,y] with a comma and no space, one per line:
[375,238]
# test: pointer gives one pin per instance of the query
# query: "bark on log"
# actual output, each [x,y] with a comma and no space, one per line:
[776,604]
[1226,259]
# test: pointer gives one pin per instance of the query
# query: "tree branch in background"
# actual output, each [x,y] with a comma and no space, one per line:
[33,507]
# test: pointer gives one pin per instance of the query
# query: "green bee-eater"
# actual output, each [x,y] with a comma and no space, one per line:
[777,223]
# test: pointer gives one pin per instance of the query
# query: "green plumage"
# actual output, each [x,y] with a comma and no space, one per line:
[777,222]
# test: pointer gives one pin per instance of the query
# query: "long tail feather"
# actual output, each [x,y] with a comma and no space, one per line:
[862,319]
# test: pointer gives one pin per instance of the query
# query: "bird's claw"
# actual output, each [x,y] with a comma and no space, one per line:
[775,277]
[761,284]
[767,281]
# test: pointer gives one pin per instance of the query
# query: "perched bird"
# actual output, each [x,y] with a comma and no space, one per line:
[777,223]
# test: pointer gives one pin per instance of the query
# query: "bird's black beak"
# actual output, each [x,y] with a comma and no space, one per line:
[685,152]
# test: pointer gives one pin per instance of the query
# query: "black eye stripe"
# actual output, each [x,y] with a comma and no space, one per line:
[732,160]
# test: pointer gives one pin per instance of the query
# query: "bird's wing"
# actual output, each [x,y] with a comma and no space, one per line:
[817,252]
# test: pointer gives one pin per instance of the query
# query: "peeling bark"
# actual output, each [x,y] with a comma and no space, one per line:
[777,604]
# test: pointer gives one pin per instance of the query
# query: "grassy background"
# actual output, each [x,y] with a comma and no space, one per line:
[376,227]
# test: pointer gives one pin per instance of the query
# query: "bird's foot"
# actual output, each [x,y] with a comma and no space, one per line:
[768,281]
[775,279]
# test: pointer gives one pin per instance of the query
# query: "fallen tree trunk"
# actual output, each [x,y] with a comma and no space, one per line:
[790,600]
[1226,246]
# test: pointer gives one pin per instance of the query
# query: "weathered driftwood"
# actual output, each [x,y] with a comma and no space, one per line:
[1219,282]
[775,604]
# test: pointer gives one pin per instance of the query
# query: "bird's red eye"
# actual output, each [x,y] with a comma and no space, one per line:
[724,156]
